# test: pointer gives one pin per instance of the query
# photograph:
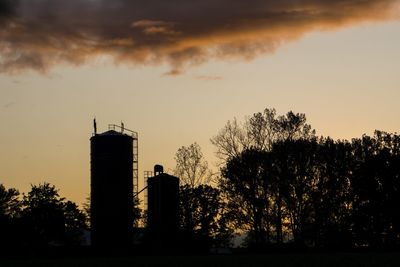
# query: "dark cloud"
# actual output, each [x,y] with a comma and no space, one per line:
[39,34]
[7,8]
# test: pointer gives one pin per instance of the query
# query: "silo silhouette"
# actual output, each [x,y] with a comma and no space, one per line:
[111,189]
[163,204]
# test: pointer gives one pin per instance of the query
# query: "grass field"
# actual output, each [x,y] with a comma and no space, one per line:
[309,260]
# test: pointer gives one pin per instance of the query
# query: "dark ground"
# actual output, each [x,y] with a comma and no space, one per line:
[248,260]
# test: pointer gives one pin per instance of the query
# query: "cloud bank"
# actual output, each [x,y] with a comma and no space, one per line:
[39,34]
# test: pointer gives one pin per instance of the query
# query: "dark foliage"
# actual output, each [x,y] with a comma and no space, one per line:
[318,192]
[202,218]
[42,218]
[10,208]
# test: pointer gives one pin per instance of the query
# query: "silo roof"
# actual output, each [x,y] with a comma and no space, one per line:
[164,176]
[111,132]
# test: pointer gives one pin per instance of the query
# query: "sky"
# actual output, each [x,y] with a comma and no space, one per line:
[177,71]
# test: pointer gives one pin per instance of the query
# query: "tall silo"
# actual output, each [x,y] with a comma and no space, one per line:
[163,204]
[111,188]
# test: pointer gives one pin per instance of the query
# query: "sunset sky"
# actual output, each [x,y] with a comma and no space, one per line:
[177,71]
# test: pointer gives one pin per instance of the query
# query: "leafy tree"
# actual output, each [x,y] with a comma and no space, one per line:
[138,216]
[10,207]
[375,190]
[86,210]
[278,179]
[246,183]
[50,218]
[10,204]
[43,210]
[75,221]
[252,176]
[331,194]
[201,212]
[74,217]
[297,181]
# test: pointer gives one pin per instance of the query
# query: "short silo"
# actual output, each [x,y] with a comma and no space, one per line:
[111,189]
[163,203]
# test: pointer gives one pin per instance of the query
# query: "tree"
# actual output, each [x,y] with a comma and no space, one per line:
[245,183]
[201,212]
[295,164]
[44,212]
[138,216]
[260,132]
[200,204]
[250,175]
[10,204]
[191,167]
[75,222]
[51,219]
[10,207]
[375,190]
[86,210]
[331,194]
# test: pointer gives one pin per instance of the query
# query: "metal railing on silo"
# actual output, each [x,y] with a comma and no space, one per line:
[135,137]
[147,175]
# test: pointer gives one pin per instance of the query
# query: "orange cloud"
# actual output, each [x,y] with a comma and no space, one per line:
[155,27]
[39,34]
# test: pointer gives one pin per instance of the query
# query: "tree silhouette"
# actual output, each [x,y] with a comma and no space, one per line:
[200,204]
[375,190]
[318,192]
[201,216]
[191,167]
[256,172]
[10,207]
[313,181]
[245,184]
[50,219]
[86,210]
[260,132]
[43,210]
[138,213]
[331,195]
[75,221]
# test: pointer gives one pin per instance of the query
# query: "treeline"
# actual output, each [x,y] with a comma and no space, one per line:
[39,218]
[318,192]
[281,184]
